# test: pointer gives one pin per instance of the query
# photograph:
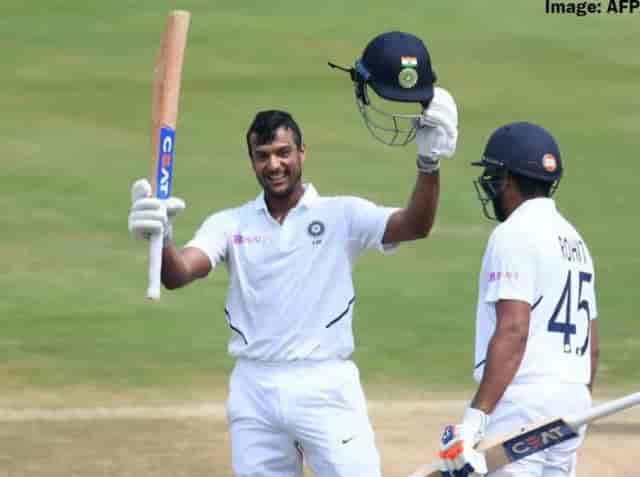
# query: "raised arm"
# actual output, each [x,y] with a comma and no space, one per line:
[416,219]
[436,137]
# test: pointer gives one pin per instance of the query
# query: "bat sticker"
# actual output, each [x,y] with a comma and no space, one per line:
[164,175]
[538,439]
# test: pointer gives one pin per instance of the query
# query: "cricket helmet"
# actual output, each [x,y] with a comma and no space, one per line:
[522,148]
[397,67]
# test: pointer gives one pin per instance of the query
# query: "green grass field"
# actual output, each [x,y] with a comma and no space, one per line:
[75,97]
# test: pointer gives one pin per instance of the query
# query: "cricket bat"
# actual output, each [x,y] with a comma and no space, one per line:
[536,436]
[164,116]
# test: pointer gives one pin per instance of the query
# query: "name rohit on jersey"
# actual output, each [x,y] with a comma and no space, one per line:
[572,250]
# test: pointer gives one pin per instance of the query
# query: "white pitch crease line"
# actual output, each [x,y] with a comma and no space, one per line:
[123,412]
[216,410]
[213,410]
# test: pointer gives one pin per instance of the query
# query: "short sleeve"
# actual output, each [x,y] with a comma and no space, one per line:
[510,270]
[213,237]
[367,223]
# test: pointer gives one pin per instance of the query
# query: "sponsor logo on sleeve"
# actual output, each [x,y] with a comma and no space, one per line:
[497,276]
[249,239]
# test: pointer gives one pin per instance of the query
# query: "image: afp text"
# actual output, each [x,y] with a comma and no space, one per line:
[581,9]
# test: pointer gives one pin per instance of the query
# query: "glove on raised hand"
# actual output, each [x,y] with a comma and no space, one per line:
[437,131]
[149,215]
[458,457]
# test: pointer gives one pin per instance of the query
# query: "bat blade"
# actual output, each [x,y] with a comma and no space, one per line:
[537,436]
[164,117]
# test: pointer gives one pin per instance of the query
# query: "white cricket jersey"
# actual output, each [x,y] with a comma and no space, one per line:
[291,293]
[538,257]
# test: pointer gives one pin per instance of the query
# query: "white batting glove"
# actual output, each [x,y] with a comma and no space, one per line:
[458,456]
[150,215]
[437,131]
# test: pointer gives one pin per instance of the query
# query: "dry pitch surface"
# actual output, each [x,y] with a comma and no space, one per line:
[192,440]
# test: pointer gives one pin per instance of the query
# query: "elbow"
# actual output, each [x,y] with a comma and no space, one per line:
[516,342]
[424,231]
[171,285]
[520,337]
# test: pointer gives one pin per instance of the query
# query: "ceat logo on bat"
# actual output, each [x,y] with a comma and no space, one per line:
[538,439]
[165,162]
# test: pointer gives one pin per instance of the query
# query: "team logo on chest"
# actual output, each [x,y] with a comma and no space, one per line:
[316,230]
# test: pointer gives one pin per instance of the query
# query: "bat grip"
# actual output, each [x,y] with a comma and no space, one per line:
[155,266]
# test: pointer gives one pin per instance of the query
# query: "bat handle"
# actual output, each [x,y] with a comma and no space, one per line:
[155,266]
[603,410]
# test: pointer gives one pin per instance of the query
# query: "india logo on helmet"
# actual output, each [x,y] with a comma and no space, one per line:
[408,76]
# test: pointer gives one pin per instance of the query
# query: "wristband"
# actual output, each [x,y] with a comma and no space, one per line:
[427,165]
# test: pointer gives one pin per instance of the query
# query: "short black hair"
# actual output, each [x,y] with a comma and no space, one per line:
[265,125]
[531,188]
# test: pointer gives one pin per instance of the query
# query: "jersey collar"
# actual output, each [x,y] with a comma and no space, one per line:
[307,200]
[539,203]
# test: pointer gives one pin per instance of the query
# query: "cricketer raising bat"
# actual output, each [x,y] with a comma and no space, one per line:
[164,115]
[536,436]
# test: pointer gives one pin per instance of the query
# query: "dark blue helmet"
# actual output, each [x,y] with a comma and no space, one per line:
[397,66]
[524,149]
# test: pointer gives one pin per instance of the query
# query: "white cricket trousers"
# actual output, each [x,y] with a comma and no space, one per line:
[280,412]
[525,403]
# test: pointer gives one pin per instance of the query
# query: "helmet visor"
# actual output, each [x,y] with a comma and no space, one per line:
[489,186]
[392,129]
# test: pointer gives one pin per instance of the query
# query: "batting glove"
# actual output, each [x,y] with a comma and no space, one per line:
[458,456]
[437,131]
[149,215]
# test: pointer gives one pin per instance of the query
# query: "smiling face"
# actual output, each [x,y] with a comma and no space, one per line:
[278,164]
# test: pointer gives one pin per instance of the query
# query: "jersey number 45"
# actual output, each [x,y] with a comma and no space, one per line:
[566,327]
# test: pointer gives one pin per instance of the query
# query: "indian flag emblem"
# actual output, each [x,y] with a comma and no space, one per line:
[408,61]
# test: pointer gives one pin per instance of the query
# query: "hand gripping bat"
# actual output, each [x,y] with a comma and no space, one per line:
[536,436]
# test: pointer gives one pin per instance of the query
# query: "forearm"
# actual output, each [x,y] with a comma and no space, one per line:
[503,360]
[423,203]
[176,271]
[415,220]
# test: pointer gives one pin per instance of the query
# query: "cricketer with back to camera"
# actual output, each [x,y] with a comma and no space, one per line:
[536,350]
[289,253]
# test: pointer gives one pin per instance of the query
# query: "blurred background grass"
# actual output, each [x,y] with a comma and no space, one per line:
[75,93]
